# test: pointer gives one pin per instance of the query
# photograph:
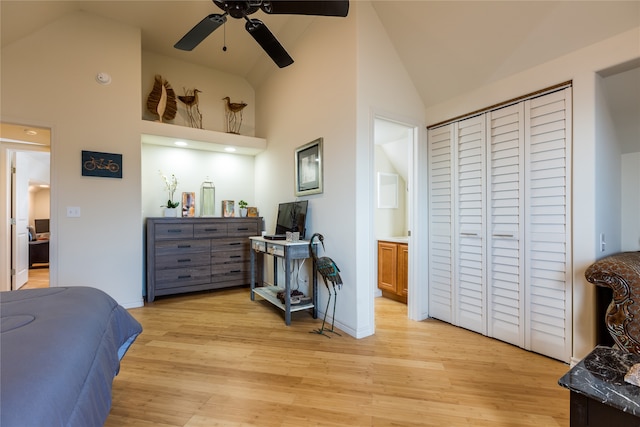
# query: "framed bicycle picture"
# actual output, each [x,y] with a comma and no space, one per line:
[104,165]
[308,168]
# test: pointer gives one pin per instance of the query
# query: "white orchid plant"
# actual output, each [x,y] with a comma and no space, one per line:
[170,185]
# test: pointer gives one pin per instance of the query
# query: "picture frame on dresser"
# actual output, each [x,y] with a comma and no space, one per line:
[188,204]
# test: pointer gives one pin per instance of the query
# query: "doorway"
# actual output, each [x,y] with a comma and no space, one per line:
[394,144]
[25,164]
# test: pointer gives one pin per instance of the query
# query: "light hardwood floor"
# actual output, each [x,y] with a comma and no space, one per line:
[38,277]
[219,359]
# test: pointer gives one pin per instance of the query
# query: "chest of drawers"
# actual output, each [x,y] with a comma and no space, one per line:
[195,254]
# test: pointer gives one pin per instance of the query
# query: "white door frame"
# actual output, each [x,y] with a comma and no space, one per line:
[417,300]
[6,148]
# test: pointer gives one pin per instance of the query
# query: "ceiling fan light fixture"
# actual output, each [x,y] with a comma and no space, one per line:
[258,30]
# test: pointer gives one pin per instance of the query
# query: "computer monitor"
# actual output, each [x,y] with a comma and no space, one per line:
[42,226]
[292,217]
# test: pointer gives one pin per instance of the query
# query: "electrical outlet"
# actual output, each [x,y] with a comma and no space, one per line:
[603,243]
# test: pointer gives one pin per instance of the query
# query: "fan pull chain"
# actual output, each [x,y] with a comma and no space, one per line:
[224,42]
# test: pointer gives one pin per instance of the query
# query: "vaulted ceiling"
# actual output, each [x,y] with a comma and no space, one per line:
[447,47]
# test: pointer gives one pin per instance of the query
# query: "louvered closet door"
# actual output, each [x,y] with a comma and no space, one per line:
[548,270]
[440,223]
[469,282]
[506,305]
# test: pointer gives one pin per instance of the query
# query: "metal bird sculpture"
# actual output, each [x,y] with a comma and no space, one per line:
[233,114]
[330,274]
[190,100]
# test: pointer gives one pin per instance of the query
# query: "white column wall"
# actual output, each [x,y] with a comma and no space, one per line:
[48,77]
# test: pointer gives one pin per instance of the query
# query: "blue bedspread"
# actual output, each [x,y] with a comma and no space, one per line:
[60,349]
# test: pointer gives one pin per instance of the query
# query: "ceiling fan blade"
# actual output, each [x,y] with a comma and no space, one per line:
[200,32]
[307,7]
[269,43]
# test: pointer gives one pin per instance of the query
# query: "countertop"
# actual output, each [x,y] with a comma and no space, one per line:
[600,376]
[400,239]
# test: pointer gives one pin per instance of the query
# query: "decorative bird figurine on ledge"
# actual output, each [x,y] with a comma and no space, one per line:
[330,273]
[233,114]
[190,100]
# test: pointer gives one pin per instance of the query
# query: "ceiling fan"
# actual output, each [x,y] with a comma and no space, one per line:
[257,28]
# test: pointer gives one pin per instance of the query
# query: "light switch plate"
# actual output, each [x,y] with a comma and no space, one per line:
[73,211]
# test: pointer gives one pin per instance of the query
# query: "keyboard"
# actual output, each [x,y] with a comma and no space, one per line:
[275,236]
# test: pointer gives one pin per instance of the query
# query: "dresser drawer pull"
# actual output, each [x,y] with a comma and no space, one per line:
[235,243]
[174,230]
[188,276]
[185,260]
[235,271]
[243,228]
[235,256]
[210,229]
[183,246]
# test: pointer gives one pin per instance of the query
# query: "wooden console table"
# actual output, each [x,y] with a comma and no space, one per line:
[288,251]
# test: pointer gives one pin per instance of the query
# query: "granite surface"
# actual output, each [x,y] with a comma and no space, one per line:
[600,376]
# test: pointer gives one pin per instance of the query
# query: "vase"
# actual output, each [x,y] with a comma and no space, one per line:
[207,198]
[243,212]
[170,212]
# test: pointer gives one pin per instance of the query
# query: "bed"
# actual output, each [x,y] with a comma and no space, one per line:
[60,349]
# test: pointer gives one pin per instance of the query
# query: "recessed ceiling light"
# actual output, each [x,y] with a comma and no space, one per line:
[230,149]
[30,132]
[180,143]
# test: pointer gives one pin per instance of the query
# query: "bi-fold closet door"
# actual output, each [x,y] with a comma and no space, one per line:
[499,223]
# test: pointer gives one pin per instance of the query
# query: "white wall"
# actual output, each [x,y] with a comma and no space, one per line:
[607,174]
[581,67]
[214,85]
[39,202]
[232,174]
[385,90]
[102,248]
[630,229]
[345,70]
[314,98]
[38,170]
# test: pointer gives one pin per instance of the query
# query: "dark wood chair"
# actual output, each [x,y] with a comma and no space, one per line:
[621,273]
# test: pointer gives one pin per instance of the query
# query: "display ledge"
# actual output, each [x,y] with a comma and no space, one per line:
[270,294]
[156,133]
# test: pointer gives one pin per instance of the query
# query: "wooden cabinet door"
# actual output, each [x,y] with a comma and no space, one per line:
[387,266]
[403,270]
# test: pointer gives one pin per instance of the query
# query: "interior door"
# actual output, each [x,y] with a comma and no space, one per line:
[505,249]
[441,262]
[20,215]
[548,272]
[470,281]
